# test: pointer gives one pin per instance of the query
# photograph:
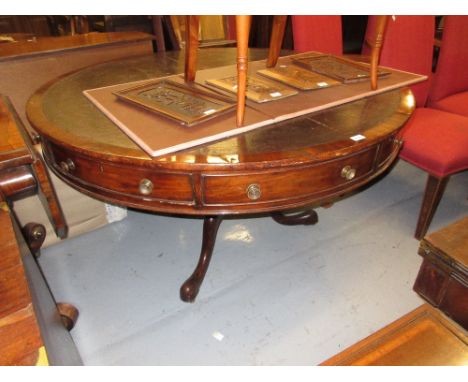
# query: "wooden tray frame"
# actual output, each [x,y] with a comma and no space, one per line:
[305,61]
[281,91]
[130,95]
[314,82]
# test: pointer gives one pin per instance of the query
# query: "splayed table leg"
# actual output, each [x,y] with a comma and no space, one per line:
[189,289]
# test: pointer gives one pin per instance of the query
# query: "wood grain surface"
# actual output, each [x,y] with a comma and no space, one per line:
[423,337]
[295,162]
[20,338]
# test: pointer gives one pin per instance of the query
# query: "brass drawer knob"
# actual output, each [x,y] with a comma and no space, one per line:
[146,187]
[68,165]
[348,172]
[398,142]
[254,192]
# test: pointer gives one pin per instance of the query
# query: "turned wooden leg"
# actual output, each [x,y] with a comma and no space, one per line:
[376,47]
[242,31]
[34,235]
[31,174]
[435,188]
[277,35]
[49,199]
[190,288]
[68,313]
[191,47]
[307,217]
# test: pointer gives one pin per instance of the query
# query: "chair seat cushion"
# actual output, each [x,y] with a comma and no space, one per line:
[456,103]
[436,141]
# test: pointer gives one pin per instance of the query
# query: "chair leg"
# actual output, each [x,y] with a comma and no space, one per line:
[435,188]
[242,33]
[191,47]
[276,39]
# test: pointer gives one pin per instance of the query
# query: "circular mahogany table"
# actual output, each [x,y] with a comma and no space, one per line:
[283,170]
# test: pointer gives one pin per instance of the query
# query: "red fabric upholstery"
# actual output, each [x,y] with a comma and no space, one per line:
[318,33]
[407,46]
[457,103]
[436,141]
[451,75]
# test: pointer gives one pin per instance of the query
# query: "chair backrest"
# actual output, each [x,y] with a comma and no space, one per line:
[451,73]
[408,46]
[318,33]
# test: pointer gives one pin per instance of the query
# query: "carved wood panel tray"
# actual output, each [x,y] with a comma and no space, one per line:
[298,77]
[181,103]
[258,89]
[338,68]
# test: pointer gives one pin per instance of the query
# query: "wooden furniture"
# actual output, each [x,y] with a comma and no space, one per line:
[305,161]
[22,171]
[36,25]
[434,140]
[213,31]
[27,65]
[31,329]
[42,59]
[375,41]
[423,337]
[443,277]
[68,25]
[20,336]
[46,45]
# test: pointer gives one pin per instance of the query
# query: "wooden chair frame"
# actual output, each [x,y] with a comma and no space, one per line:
[243,31]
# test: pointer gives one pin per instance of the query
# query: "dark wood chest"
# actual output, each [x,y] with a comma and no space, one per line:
[443,276]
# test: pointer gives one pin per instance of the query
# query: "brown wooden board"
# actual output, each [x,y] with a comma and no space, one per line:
[423,337]
[298,77]
[20,336]
[258,90]
[338,68]
[182,103]
[451,243]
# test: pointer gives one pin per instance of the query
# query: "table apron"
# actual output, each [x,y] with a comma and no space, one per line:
[214,192]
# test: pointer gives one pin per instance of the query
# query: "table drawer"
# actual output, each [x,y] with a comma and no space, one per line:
[140,182]
[287,184]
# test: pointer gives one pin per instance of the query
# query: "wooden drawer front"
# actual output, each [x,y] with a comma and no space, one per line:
[285,184]
[125,180]
[387,148]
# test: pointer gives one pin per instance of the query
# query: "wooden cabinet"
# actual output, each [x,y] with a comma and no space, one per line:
[443,277]
[38,61]
[36,25]
[423,337]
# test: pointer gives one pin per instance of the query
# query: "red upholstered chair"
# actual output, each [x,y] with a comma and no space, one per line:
[449,90]
[434,140]
[318,33]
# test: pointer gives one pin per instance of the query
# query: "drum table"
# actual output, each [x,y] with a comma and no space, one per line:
[283,169]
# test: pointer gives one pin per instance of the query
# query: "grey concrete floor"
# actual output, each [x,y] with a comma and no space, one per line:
[273,295]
